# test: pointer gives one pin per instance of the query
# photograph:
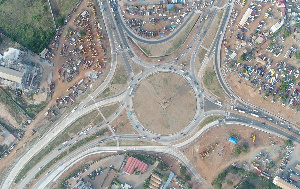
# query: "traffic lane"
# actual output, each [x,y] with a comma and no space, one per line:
[264,125]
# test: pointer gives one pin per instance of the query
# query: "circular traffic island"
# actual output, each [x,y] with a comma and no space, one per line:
[164,103]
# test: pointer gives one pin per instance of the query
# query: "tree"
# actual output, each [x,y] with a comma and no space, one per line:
[182,170]
[187,177]
[60,21]
[234,170]
[297,54]
[237,150]
[1,40]
[230,183]
[82,32]
[271,164]
[288,143]
[245,149]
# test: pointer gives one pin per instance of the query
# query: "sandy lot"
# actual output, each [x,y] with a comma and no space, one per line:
[221,156]
[164,103]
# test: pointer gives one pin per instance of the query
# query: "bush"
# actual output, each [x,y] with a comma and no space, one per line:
[245,149]
[234,170]
[288,143]
[187,177]
[237,151]
[297,54]
[229,183]
[182,170]
[271,164]
[82,32]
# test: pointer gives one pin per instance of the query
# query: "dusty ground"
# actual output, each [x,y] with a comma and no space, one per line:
[219,159]
[164,103]
[122,125]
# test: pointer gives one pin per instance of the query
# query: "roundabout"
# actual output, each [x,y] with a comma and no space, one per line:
[164,103]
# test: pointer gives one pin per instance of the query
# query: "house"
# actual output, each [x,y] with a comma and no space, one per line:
[132,164]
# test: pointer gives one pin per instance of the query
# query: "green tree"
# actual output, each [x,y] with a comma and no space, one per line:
[182,170]
[288,143]
[60,21]
[230,183]
[187,177]
[82,32]
[245,149]
[237,150]
[234,170]
[1,40]
[271,164]
[297,54]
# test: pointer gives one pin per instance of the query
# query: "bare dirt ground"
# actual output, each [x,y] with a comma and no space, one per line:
[164,103]
[222,156]
[122,125]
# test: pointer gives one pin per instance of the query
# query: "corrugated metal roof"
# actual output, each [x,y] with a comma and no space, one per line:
[10,74]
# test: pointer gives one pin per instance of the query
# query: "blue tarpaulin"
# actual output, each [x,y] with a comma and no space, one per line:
[170,6]
[233,140]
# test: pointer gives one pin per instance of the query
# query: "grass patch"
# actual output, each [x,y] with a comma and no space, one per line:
[146,51]
[211,82]
[74,128]
[61,9]
[201,55]
[107,111]
[28,22]
[209,119]
[120,75]
[106,93]
[12,108]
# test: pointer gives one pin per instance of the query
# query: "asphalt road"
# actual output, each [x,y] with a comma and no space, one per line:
[120,46]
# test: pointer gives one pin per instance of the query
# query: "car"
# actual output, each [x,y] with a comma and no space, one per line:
[157,138]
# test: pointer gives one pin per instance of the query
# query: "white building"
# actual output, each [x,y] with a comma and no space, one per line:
[245,17]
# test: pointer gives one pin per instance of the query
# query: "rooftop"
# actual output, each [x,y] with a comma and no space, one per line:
[133,163]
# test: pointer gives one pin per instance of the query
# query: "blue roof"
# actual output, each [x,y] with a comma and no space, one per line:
[169,180]
[233,140]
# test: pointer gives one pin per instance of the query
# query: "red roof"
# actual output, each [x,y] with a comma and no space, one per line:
[133,163]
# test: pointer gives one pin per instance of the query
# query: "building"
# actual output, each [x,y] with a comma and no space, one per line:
[132,164]
[11,75]
[245,17]
[283,184]
[276,26]
[297,167]
[233,140]
[155,182]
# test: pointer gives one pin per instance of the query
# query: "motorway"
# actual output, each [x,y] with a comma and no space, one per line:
[119,46]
